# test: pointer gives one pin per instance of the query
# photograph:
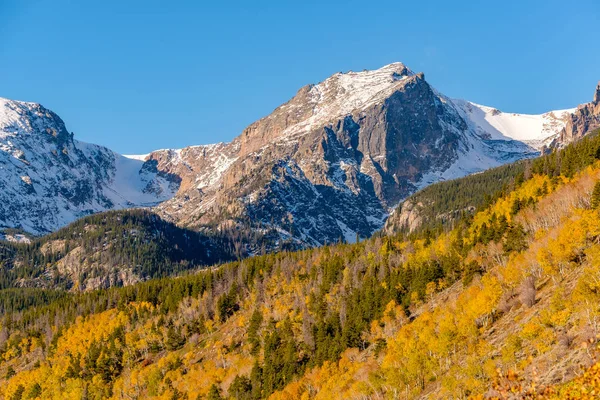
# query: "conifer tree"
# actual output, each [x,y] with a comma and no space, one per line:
[595,200]
[214,393]
[241,388]
[515,239]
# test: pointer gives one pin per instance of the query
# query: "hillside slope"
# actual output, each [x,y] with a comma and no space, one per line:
[506,302]
[108,249]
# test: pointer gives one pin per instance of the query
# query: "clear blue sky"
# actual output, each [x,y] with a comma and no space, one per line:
[142,75]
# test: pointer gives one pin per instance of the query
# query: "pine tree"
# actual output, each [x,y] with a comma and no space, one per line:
[18,395]
[241,388]
[253,337]
[214,393]
[516,206]
[595,200]
[256,376]
[175,339]
[515,239]
[35,391]
[10,372]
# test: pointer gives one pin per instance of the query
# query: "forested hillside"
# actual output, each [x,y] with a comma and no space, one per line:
[440,205]
[503,302]
[109,249]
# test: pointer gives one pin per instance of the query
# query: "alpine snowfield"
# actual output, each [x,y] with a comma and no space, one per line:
[535,130]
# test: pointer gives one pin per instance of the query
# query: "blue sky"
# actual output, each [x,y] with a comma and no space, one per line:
[142,75]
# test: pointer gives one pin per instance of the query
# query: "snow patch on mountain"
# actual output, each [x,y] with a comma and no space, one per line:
[130,185]
[139,157]
[345,93]
[491,123]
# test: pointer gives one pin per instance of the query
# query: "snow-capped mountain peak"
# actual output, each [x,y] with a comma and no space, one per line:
[333,160]
[344,93]
[322,103]
[48,179]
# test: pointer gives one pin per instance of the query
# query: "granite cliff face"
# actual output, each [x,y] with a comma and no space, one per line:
[585,119]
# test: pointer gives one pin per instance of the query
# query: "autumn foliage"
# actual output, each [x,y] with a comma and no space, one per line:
[505,304]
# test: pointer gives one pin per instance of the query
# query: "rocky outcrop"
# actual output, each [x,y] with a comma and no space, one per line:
[581,122]
[406,217]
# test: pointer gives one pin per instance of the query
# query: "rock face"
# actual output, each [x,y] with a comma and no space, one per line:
[48,179]
[584,120]
[330,163]
[326,165]
[405,216]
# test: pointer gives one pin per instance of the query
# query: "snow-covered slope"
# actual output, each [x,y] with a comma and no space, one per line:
[535,130]
[139,157]
[345,93]
[48,179]
[494,138]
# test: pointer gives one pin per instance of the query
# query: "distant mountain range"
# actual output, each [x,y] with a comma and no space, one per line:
[329,164]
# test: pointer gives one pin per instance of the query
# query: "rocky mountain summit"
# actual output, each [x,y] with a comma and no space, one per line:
[585,119]
[335,159]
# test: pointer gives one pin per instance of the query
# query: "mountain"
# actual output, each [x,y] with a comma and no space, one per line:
[585,119]
[535,130]
[328,165]
[48,179]
[333,161]
[503,305]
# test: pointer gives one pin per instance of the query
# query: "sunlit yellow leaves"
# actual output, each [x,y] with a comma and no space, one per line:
[441,336]
[530,189]
[565,247]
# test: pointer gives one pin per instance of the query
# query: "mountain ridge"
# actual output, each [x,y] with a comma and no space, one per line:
[329,164]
